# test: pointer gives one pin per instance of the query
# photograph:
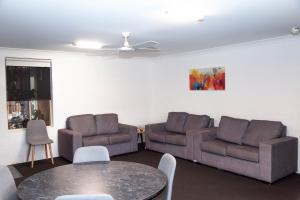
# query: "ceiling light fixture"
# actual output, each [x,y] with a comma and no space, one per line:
[201,18]
[295,30]
[181,12]
[180,16]
[85,44]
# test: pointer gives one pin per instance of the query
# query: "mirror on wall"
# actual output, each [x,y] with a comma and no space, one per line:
[28,87]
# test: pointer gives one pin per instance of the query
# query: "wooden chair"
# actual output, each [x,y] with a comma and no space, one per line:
[36,134]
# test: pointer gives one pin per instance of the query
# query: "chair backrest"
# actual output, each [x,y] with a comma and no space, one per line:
[36,129]
[167,165]
[8,190]
[91,154]
[85,197]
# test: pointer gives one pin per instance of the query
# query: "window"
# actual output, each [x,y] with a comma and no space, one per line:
[28,87]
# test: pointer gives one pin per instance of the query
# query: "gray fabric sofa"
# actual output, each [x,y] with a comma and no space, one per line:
[258,148]
[171,136]
[91,130]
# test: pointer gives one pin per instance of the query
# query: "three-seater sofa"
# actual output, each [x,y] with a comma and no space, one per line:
[91,130]
[258,148]
[173,136]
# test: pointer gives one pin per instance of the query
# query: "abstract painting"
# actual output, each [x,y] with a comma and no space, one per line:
[207,78]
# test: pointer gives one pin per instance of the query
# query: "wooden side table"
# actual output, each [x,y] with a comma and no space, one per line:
[140,132]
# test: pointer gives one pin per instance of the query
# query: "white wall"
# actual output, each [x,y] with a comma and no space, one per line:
[262,82]
[81,84]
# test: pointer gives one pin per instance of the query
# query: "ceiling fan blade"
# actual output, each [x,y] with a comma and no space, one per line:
[108,49]
[149,49]
[107,46]
[149,43]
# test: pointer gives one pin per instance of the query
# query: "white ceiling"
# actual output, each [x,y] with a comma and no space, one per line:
[54,24]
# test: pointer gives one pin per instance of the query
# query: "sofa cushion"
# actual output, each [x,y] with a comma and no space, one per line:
[232,129]
[261,130]
[215,146]
[176,121]
[85,124]
[243,152]
[196,122]
[158,136]
[176,138]
[107,123]
[119,138]
[95,140]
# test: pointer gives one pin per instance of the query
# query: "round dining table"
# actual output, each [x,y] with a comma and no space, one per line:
[122,180]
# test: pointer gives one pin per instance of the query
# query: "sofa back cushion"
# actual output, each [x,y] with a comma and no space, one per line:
[196,122]
[176,121]
[85,124]
[107,123]
[232,129]
[262,130]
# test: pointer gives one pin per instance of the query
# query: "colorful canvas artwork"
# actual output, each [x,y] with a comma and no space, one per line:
[207,79]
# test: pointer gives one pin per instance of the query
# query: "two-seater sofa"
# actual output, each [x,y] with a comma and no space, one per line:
[173,137]
[258,148]
[93,130]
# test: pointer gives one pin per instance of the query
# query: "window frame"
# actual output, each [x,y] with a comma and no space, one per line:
[51,117]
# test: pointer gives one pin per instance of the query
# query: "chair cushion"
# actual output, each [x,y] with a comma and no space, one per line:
[215,146]
[243,152]
[232,129]
[119,138]
[196,122]
[107,123]
[176,138]
[261,130]
[158,136]
[40,141]
[85,124]
[176,121]
[95,140]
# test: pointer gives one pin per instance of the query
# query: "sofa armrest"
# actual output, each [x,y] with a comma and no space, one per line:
[195,138]
[132,130]
[68,142]
[211,123]
[278,158]
[203,134]
[155,127]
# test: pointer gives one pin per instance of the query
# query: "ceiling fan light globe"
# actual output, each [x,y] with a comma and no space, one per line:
[126,49]
[125,34]
[295,30]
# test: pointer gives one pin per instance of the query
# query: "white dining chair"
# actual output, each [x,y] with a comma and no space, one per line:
[85,197]
[167,165]
[8,190]
[91,154]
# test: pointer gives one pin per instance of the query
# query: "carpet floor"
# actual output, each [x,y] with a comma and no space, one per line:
[194,181]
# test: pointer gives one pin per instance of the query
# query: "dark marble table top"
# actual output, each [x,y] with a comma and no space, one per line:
[122,180]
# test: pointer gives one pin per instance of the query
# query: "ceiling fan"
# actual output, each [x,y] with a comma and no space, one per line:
[147,46]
